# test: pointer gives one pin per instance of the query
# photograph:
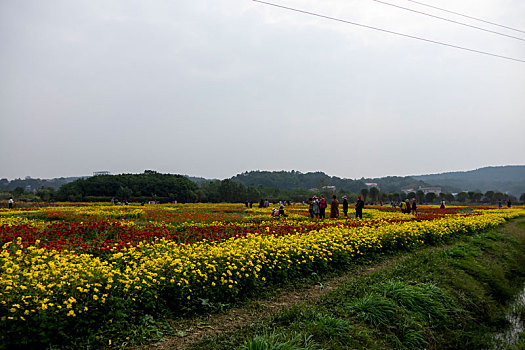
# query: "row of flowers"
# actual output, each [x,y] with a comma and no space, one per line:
[104,227]
[45,292]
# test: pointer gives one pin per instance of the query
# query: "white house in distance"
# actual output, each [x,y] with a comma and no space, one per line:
[425,190]
[371,184]
[324,188]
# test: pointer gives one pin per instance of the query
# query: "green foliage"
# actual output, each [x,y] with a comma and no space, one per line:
[430,196]
[420,196]
[374,194]
[35,184]
[373,309]
[46,194]
[462,197]
[290,180]
[277,341]
[129,186]
[426,300]
[505,179]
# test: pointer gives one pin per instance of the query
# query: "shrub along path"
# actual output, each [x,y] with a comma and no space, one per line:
[434,297]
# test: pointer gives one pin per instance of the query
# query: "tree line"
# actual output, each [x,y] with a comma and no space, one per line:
[154,186]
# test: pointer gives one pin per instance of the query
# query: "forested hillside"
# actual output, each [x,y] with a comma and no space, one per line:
[486,184]
[505,179]
[290,180]
[34,184]
[138,187]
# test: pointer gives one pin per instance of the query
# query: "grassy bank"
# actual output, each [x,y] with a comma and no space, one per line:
[435,298]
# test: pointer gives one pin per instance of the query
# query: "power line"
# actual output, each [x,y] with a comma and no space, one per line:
[474,18]
[389,31]
[449,20]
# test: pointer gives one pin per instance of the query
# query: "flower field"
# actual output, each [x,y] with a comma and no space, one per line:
[86,274]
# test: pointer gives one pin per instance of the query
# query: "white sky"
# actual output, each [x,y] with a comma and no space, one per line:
[215,88]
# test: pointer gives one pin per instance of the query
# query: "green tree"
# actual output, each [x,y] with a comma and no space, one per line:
[462,197]
[498,196]
[522,197]
[430,196]
[150,184]
[374,193]
[420,196]
[364,193]
[476,197]
[449,197]
[489,196]
[394,196]
[124,193]
[18,191]
[46,194]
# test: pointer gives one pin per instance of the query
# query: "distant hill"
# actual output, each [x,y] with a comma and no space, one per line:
[149,185]
[397,183]
[198,179]
[290,180]
[34,184]
[505,179]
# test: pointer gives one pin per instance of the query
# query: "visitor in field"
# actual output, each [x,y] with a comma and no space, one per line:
[345,206]
[414,206]
[322,207]
[281,211]
[10,202]
[403,206]
[334,207]
[359,205]
[310,202]
[409,208]
[509,204]
[266,203]
[316,208]
[499,203]
[442,206]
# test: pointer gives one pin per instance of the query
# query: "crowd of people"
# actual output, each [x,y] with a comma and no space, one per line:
[317,207]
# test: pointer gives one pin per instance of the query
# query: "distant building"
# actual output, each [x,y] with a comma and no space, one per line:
[372,184]
[95,173]
[425,190]
[324,188]
[434,189]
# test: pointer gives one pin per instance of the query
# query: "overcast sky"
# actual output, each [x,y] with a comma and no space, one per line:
[214,88]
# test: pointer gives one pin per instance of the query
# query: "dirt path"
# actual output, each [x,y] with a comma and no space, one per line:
[195,329]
